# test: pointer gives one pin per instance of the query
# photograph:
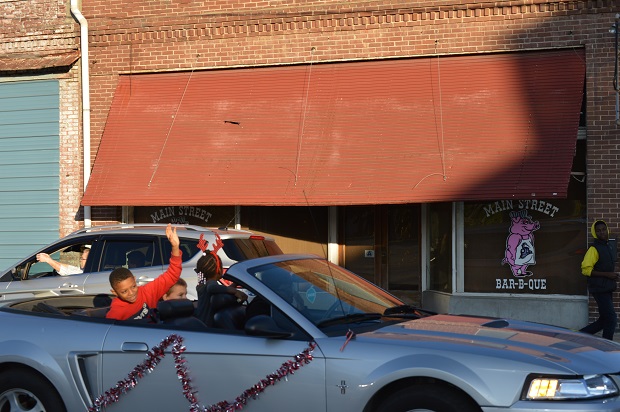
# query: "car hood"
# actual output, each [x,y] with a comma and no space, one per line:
[519,340]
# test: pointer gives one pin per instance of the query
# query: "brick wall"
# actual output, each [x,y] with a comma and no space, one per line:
[71,147]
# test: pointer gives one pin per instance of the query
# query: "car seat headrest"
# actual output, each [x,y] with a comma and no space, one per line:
[175,308]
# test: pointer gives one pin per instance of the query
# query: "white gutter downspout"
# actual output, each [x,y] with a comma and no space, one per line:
[85,100]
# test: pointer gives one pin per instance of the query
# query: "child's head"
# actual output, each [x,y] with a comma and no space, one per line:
[124,284]
[177,291]
[210,266]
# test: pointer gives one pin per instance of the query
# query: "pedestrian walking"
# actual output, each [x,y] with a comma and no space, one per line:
[599,265]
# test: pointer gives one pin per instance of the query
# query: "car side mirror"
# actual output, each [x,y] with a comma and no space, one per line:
[265,326]
[9,276]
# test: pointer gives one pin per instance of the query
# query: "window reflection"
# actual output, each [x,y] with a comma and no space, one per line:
[440,238]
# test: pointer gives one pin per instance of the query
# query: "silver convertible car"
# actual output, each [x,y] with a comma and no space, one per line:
[314,337]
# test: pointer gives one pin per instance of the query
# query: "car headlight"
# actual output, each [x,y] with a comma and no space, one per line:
[585,387]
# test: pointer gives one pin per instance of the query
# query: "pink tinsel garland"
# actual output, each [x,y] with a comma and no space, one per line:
[155,355]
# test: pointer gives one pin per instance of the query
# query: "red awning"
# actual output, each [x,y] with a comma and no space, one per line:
[479,127]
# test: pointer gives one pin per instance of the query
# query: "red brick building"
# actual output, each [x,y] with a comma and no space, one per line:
[400,139]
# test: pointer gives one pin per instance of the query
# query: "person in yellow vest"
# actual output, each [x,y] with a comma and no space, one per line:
[599,265]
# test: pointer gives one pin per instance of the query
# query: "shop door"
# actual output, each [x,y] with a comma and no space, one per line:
[382,244]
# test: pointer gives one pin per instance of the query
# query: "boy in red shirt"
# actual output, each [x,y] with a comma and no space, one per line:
[136,302]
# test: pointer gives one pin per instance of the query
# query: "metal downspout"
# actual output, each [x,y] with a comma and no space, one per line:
[85,100]
[614,29]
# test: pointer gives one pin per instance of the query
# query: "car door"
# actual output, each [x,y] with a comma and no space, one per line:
[115,251]
[220,367]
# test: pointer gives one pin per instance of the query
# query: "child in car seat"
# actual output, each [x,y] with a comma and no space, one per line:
[209,271]
[136,302]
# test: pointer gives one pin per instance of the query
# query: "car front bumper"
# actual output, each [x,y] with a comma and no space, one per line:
[595,405]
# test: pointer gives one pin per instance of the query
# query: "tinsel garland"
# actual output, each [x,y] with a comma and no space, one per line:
[155,355]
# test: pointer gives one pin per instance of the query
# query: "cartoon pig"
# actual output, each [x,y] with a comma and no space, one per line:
[520,244]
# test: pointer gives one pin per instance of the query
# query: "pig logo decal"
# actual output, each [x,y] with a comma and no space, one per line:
[520,252]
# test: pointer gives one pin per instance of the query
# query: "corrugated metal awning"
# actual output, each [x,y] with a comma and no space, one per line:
[479,127]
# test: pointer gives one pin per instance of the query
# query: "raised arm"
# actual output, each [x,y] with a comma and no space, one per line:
[173,238]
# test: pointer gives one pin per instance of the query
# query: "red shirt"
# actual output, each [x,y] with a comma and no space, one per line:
[148,295]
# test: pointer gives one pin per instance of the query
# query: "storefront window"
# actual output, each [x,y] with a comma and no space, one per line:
[403,247]
[440,238]
[525,246]
[403,251]
[296,229]
[359,241]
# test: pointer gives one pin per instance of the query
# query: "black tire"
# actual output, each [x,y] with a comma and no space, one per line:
[428,398]
[21,391]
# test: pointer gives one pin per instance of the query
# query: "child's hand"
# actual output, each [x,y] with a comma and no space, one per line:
[240,296]
[173,238]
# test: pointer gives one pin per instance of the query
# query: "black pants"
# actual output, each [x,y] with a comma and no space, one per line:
[607,318]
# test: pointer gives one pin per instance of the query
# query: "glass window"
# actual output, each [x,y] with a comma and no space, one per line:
[253,247]
[440,238]
[237,249]
[296,229]
[403,247]
[71,257]
[128,254]
[525,246]
[189,248]
[359,241]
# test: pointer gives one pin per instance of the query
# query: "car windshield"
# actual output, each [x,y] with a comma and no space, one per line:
[325,293]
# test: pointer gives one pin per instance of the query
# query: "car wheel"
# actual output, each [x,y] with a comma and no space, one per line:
[22,391]
[427,398]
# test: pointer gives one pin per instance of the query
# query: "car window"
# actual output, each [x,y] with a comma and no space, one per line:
[40,269]
[253,247]
[187,245]
[68,255]
[236,249]
[128,254]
